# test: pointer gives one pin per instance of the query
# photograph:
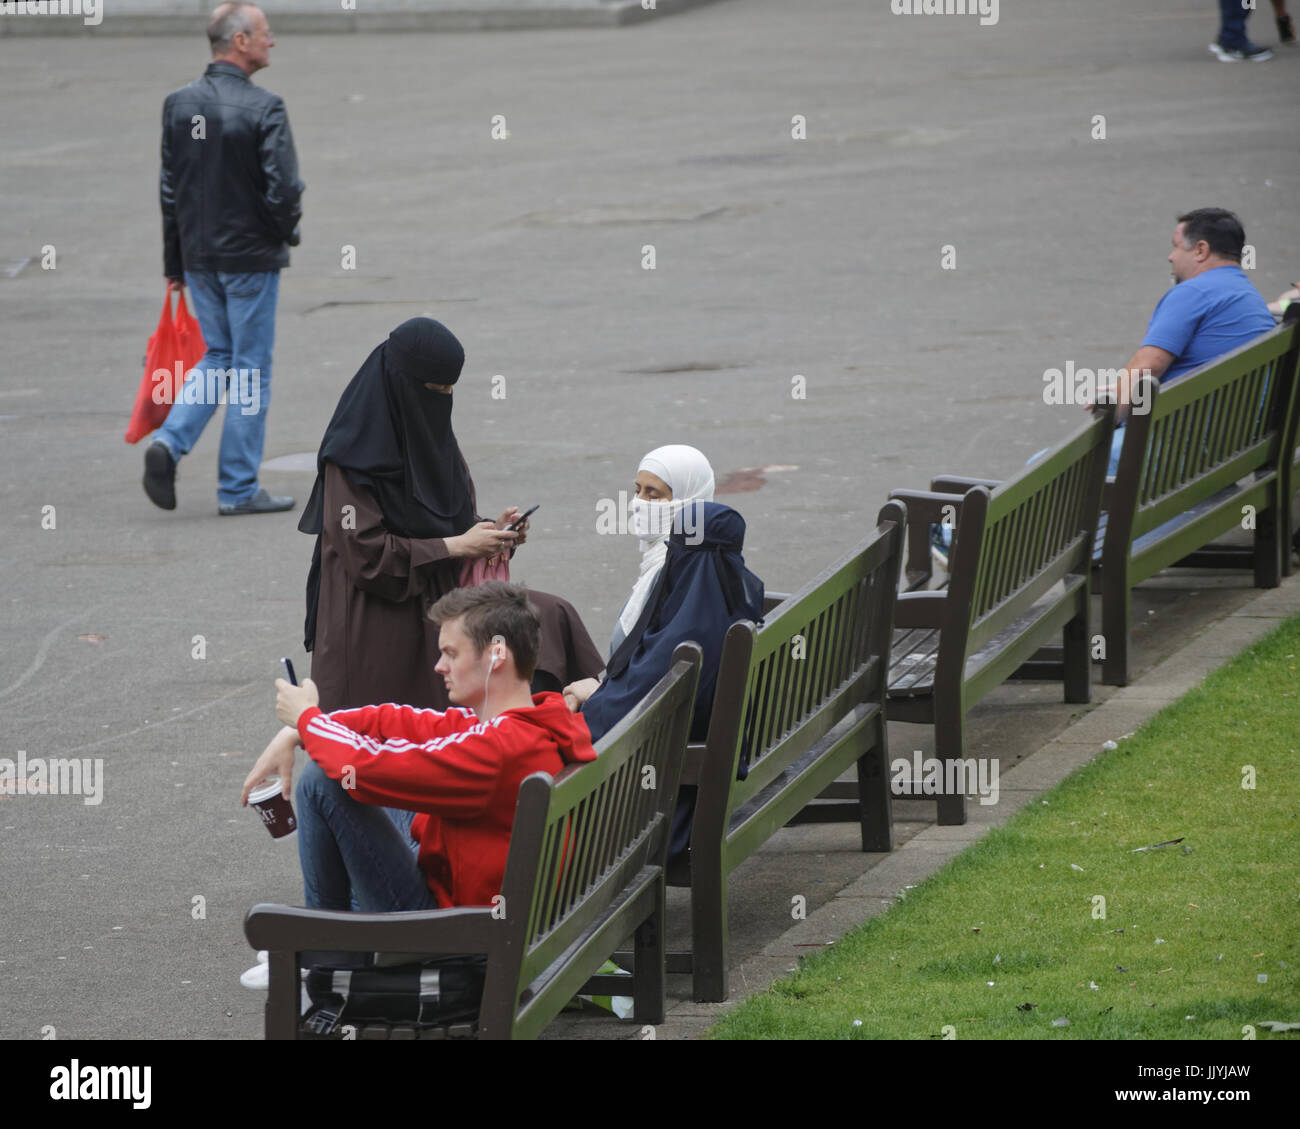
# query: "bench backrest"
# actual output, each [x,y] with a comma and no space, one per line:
[820,653]
[1206,430]
[581,839]
[1012,544]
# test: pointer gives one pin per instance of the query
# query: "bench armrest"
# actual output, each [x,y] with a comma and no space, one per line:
[959,484]
[773,600]
[925,507]
[920,609]
[460,929]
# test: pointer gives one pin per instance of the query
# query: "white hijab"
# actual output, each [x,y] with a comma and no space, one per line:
[686,472]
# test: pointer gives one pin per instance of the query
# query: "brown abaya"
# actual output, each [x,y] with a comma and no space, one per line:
[373,640]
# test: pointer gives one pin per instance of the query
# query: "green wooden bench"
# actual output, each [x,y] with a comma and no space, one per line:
[1019,576]
[584,872]
[798,702]
[1216,441]
[1291,321]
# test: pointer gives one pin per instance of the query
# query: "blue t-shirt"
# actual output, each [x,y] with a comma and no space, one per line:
[1207,316]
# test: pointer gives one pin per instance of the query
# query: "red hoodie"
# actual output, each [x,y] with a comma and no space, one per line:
[461,774]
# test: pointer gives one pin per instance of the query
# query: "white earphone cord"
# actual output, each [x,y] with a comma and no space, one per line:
[496,655]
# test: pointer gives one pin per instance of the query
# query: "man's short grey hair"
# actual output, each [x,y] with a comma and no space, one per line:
[227,21]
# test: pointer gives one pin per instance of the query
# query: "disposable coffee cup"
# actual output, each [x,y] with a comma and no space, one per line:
[276,811]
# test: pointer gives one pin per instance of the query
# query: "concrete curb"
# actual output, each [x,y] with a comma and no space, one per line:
[331,19]
[930,849]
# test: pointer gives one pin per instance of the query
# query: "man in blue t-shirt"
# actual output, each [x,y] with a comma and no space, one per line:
[1212,309]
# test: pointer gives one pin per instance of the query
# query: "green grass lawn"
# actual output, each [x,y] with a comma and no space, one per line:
[1197,939]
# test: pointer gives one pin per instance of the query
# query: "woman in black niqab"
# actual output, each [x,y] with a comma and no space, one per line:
[392,434]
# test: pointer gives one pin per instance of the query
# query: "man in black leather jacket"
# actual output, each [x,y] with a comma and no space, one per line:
[231,203]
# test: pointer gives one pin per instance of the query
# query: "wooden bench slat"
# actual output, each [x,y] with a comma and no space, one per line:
[914,654]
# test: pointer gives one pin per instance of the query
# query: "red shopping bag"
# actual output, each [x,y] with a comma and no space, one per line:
[175,347]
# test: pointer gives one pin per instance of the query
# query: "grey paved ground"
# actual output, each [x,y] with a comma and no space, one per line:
[178,17]
[775,258]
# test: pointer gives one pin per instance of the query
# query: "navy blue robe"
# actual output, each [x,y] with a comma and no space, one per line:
[702,589]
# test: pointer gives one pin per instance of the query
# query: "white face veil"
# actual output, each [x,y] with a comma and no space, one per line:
[687,473]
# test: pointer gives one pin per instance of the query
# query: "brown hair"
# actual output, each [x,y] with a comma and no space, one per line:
[494,608]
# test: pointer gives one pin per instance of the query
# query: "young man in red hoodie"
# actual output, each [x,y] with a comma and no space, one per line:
[456,773]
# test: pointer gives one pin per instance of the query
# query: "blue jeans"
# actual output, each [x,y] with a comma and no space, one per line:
[1232,28]
[237,315]
[355,856]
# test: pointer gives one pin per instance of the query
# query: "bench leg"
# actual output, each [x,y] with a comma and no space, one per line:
[1077,665]
[950,745]
[708,927]
[1287,532]
[875,797]
[284,997]
[648,970]
[1116,607]
[1268,549]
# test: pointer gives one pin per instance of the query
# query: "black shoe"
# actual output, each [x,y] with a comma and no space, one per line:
[160,476]
[259,503]
[1285,30]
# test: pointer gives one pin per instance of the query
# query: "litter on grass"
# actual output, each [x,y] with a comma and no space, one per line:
[1157,846]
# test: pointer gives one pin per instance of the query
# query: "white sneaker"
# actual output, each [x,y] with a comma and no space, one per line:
[1250,51]
[258,978]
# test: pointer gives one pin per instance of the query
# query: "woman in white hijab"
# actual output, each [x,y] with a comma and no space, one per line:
[667,479]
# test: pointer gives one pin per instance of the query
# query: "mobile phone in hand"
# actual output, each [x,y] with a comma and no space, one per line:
[514,525]
[288,672]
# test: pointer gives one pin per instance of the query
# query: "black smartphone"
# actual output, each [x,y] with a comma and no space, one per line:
[514,525]
[288,671]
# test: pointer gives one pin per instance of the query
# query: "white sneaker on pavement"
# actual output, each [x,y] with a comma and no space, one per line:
[258,978]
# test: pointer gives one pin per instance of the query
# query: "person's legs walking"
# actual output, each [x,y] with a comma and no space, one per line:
[250,302]
[1232,24]
[1232,42]
[197,399]
[1285,28]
